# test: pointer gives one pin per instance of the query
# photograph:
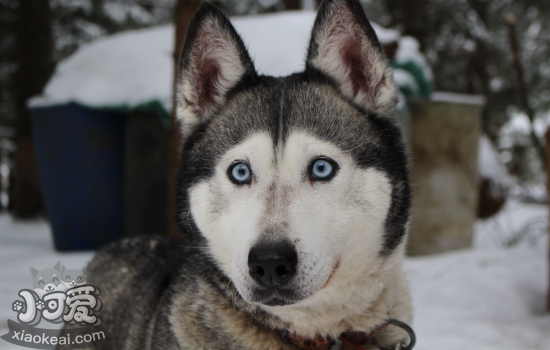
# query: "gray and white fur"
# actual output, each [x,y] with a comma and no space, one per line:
[285,249]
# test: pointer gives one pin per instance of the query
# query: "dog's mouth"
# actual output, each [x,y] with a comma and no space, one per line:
[278,297]
[286,296]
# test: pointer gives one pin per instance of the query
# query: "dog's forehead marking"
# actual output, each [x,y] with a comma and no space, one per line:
[280,134]
[284,106]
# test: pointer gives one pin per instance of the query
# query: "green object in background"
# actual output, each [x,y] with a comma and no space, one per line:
[418,84]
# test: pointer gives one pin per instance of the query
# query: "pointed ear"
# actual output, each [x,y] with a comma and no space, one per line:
[34,272]
[213,61]
[345,48]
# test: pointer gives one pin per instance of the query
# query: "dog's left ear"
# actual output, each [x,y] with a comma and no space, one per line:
[345,48]
[213,61]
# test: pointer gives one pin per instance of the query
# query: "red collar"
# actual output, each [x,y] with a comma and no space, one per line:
[347,340]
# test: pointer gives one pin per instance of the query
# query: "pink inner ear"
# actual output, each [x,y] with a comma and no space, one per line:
[212,51]
[348,56]
[358,66]
[208,75]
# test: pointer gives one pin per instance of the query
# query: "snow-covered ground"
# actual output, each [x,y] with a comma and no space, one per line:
[486,298]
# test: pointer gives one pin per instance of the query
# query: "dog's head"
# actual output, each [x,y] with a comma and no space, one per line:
[297,184]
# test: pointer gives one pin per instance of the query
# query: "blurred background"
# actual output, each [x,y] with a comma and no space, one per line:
[88,146]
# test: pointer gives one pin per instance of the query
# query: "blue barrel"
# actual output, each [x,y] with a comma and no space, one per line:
[80,155]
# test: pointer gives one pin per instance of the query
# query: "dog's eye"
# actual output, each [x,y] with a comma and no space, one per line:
[55,279]
[79,278]
[68,278]
[40,282]
[322,169]
[239,173]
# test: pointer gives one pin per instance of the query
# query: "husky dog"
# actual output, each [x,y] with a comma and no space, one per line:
[293,199]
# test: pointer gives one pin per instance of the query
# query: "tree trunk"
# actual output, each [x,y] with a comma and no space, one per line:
[478,81]
[523,90]
[183,13]
[413,15]
[35,66]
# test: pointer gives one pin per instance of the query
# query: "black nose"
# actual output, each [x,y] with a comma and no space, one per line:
[272,264]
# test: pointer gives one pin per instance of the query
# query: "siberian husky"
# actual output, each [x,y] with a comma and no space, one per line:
[293,200]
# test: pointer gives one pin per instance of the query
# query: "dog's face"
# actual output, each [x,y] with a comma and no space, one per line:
[298,184]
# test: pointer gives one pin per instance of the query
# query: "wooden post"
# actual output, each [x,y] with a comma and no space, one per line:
[183,13]
[444,141]
[547,138]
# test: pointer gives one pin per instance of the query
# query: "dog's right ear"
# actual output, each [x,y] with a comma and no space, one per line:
[344,47]
[213,61]
[33,271]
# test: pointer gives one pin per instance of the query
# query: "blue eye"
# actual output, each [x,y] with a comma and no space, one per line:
[323,169]
[240,174]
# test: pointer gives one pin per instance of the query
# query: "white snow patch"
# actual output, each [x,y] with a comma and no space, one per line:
[125,69]
[386,35]
[518,223]
[491,167]
[453,97]
[409,50]
[24,245]
[481,299]
[277,42]
[404,79]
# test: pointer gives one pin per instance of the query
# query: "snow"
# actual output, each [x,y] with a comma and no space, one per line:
[409,50]
[276,42]
[125,69]
[489,297]
[453,97]
[469,300]
[24,245]
[491,167]
[405,79]
[132,68]
[520,124]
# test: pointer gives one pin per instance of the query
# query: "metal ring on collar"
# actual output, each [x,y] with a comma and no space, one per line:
[406,328]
